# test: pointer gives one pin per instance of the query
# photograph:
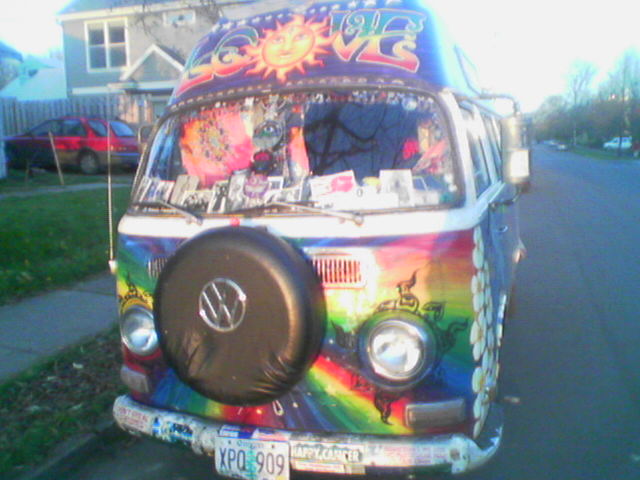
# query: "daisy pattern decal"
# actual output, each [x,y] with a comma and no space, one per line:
[484,336]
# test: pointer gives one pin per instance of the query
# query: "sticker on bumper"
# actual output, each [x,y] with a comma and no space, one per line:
[136,419]
[327,457]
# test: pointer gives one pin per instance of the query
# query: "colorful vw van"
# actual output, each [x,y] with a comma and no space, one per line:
[321,244]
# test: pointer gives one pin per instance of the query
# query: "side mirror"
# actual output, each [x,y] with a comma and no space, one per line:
[516,156]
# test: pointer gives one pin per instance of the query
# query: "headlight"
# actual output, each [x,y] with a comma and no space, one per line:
[138,331]
[399,350]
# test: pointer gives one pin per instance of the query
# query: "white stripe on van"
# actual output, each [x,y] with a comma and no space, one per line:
[313,226]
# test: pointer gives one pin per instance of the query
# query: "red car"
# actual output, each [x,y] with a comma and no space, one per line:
[81,142]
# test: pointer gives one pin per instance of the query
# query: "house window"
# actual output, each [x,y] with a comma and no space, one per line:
[107,45]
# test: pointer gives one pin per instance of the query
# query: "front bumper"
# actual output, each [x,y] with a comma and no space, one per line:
[316,452]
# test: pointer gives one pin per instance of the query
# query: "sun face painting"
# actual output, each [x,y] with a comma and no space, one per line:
[289,47]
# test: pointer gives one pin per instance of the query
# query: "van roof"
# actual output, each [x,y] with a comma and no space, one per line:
[359,42]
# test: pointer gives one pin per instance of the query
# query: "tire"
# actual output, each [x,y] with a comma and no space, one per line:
[89,164]
[273,326]
[13,161]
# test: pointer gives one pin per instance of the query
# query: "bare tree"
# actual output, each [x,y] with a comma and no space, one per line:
[580,78]
[149,19]
[624,88]
[613,109]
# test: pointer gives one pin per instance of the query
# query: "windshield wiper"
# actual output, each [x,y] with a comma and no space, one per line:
[356,218]
[352,217]
[190,216]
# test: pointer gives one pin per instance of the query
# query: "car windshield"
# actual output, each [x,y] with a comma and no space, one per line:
[353,151]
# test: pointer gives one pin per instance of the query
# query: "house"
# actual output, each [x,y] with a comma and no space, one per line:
[7,52]
[132,47]
[10,61]
[38,79]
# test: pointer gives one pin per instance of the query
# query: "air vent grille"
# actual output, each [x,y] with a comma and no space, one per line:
[339,271]
[155,266]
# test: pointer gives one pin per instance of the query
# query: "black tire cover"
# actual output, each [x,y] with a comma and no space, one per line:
[261,357]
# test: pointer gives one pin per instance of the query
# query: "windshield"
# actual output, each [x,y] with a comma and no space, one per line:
[354,151]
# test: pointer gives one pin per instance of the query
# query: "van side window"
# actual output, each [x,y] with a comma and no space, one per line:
[480,169]
[494,143]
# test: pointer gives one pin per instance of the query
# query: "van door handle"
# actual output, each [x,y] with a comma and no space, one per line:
[503,229]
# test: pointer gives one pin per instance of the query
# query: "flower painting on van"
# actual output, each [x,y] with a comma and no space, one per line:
[483,335]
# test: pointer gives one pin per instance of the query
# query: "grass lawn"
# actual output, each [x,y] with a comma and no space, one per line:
[51,240]
[64,396]
[47,241]
[602,154]
[17,182]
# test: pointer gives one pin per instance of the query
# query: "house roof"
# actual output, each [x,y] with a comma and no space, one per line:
[164,54]
[76,6]
[40,79]
[8,52]
[84,7]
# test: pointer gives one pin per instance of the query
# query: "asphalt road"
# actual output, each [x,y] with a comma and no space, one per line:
[571,357]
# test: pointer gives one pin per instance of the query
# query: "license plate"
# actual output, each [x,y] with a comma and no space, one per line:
[252,459]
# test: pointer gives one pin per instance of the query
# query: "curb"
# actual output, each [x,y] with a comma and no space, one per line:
[72,453]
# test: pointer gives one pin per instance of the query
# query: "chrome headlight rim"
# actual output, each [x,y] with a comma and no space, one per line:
[146,325]
[415,327]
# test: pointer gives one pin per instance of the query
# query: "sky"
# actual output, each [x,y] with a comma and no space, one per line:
[525,49]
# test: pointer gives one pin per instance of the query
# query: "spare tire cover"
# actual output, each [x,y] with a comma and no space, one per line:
[240,315]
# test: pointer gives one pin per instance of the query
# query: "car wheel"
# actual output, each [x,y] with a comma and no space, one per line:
[12,159]
[89,164]
[240,315]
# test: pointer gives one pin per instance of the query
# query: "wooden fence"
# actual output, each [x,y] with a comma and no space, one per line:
[18,117]
[3,160]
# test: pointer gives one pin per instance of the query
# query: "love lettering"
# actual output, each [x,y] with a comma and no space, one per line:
[365,31]
[385,37]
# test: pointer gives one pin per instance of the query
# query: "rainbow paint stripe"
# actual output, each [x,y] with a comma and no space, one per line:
[335,396]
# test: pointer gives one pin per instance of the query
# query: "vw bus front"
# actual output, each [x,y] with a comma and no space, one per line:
[308,277]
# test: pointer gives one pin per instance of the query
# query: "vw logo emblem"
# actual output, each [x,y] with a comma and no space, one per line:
[222,304]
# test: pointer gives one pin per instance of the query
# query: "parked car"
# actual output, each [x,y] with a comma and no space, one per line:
[556,144]
[614,143]
[81,142]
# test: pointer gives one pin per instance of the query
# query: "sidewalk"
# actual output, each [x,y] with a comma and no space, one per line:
[38,327]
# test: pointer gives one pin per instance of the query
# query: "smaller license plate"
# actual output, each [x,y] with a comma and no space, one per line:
[252,459]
